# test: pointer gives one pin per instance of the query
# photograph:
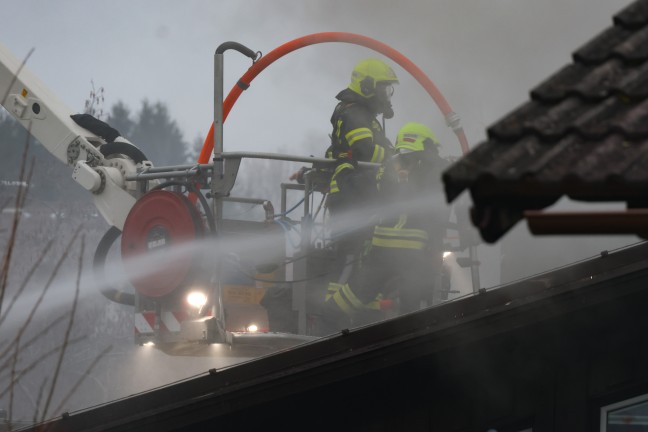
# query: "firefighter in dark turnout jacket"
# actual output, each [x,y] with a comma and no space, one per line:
[357,136]
[407,244]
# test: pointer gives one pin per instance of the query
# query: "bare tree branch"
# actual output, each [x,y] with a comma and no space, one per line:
[20,199]
[38,400]
[12,381]
[68,331]
[35,338]
[27,392]
[5,203]
[30,273]
[43,292]
[38,361]
[82,378]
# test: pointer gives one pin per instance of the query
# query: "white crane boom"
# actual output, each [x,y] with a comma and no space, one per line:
[39,111]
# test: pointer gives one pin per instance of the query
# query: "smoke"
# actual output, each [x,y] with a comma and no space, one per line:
[126,369]
[484,56]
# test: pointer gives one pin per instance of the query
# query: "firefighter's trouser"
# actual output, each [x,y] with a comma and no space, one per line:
[398,264]
[395,273]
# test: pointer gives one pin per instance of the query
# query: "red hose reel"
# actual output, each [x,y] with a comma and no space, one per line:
[156,230]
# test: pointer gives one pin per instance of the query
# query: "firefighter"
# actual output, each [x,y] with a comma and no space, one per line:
[406,251]
[357,136]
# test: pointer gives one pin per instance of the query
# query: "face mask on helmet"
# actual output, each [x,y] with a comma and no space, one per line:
[385,91]
[413,155]
[409,160]
[381,100]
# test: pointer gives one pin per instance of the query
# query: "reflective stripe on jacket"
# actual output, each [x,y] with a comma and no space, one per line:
[333,187]
[400,237]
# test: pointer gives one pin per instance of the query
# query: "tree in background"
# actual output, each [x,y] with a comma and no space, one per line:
[12,139]
[193,152]
[151,129]
[29,370]
[154,132]
[120,118]
[94,105]
[51,180]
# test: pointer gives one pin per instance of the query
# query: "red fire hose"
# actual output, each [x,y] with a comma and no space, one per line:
[451,118]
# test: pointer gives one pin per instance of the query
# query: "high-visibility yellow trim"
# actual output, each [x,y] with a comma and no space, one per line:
[341,167]
[338,129]
[339,301]
[332,289]
[358,134]
[381,172]
[402,220]
[344,298]
[375,303]
[378,154]
[334,293]
[398,243]
[333,186]
[403,238]
[351,297]
[406,232]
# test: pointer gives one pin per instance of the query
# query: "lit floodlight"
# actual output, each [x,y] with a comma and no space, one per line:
[197,299]
[149,344]
[447,254]
[252,328]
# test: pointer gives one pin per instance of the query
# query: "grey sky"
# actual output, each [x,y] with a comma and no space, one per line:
[483,55]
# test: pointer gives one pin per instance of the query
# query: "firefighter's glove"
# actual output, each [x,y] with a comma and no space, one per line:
[403,176]
[298,175]
[380,303]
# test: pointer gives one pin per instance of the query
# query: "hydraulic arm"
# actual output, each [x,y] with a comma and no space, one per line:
[48,120]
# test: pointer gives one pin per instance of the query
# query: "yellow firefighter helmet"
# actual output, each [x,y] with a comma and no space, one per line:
[368,74]
[414,137]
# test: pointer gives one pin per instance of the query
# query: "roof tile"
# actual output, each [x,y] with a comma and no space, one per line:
[635,48]
[583,133]
[603,46]
[633,16]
